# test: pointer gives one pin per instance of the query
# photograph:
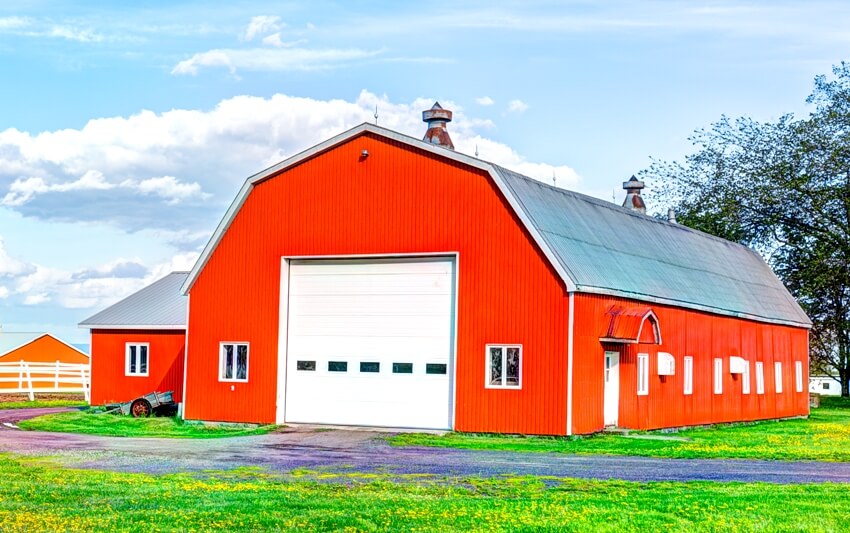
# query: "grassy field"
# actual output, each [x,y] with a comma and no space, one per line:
[39,496]
[93,423]
[825,436]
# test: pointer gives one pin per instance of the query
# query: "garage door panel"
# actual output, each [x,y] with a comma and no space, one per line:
[382,313]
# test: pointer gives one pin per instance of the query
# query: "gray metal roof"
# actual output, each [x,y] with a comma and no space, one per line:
[596,246]
[611,249]
[160,305]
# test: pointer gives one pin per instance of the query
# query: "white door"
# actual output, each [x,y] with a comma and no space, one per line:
[370,342]
[612,388]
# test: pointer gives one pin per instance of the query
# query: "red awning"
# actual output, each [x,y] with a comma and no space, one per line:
[631,325]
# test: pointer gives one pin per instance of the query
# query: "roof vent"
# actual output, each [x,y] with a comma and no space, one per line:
[437,118]
[634,200]
[671,216]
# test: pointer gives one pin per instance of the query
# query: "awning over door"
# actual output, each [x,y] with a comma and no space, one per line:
[631,325]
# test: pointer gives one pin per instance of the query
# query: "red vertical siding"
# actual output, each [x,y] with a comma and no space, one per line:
[165,365]
[398,200]
[703,336]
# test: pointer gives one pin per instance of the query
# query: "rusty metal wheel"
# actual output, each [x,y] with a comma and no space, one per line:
[140,408]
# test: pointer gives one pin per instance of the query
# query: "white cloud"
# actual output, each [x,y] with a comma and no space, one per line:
[9,266]
[272,59]
[485,101]
[275,40]
[517,106]
[169,188]
[37,298]
[261,25]
[11,23]
[4,292]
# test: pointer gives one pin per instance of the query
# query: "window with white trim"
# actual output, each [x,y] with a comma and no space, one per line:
[504,366]
[798,373]
[745,377]
[759,377]
[136,358]
[642,374]
[777,374]
[233,361]
[689,375]
[718,375]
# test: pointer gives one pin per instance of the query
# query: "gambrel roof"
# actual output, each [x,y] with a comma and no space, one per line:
[598,247]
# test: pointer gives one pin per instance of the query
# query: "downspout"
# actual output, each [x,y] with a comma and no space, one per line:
[570,327]
[182,406]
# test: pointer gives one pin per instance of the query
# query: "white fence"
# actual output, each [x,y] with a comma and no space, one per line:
[30,378]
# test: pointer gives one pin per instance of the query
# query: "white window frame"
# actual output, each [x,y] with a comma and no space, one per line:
[688,375]
[777,376]
[745,384]
[643,374]
[504,385]
[718,375]
[137,345]
[798,370]
[221,361]
[759,377]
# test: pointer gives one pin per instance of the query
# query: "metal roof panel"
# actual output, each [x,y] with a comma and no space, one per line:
[160,304]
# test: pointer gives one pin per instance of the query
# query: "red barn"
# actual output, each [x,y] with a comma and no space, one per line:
[376,279]
[137,344]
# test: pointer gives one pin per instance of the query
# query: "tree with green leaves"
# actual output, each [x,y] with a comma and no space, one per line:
[782,188]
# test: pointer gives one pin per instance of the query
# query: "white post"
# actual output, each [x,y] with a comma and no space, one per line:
[86,392]
[21,376]
[56,378]
[29,380]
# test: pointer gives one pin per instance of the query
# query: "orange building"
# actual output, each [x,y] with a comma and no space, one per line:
[40,351]
[376,279]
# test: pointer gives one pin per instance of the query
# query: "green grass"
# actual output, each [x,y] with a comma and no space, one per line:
[94,423]
[39,496]
[825,436]
[42,403]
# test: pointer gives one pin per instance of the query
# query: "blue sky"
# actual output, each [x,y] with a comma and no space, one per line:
[126,128]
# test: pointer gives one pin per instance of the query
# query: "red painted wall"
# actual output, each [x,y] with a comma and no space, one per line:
[398,200]
[684,332]
[165,365]
[44,349]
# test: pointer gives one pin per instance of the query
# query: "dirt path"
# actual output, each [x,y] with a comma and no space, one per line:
[364,451]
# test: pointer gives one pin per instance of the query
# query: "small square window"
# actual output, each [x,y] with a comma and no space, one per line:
[435,368]
[370,367]
[307,366]
[136,359]
[504,363]
[233,361]
[337,366]
[826,386]
[402,368]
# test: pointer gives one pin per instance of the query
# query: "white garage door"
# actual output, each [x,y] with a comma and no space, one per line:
[370,343]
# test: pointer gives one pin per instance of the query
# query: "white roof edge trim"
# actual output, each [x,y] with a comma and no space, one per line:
[54,337]
[176,327]
[689,305]
[404,139]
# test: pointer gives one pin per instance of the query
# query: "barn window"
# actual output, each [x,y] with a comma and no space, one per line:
[826,386]
[745,383]
[643,374]
[337,366]
[689,375]
[504,363]
[759,377]
[718,376]
[777,375]
[136,359]
[798,372]
[233,361]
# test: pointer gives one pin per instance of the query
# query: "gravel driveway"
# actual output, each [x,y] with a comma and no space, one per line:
[366,451]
